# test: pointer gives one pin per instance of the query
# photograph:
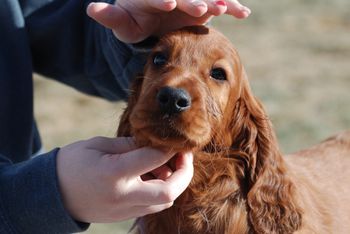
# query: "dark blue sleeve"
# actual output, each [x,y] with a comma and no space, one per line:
[30,199]
[54,38]
[70,47]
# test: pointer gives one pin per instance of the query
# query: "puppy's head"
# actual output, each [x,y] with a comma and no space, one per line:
[190,82]
[194,95]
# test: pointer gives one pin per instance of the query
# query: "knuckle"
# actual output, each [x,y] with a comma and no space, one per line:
[91,140]
[168,205]
[96,139]
[168,195]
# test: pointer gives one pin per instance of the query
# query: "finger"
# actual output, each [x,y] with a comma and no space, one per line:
[163,5]
[237,9]
[106,14]
[107,145]
[139,211]
[154,192]
[145,210]
[118,19]
[217,7]
[163,172]
[183,174]
[195,8]
[140,161]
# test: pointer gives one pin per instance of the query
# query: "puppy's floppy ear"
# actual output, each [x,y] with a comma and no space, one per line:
[124,128]
[270,192]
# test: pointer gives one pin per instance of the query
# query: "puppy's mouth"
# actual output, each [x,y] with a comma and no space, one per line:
[172,121]
[163,131]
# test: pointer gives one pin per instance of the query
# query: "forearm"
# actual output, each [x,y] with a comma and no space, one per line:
[30,200]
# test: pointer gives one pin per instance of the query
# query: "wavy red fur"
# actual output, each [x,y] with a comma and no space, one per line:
[242,184]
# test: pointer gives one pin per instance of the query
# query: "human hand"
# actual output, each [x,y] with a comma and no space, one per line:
[134,20]
[100,179]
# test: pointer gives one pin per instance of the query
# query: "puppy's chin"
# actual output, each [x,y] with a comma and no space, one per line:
[167,138]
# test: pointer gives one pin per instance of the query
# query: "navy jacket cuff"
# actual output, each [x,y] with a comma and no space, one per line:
[30,198]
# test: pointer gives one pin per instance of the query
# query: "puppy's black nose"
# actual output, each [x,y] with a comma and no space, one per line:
[173,100]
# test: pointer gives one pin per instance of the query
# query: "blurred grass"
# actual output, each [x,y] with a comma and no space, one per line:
[297,56]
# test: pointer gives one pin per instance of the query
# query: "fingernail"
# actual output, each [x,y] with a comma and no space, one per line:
[220,3]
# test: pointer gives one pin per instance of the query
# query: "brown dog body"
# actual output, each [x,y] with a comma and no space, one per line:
[194,95]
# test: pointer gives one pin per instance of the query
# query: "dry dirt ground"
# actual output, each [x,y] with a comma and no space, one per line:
[297,55]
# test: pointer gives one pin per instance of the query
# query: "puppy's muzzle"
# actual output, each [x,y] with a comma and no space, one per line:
[173,100]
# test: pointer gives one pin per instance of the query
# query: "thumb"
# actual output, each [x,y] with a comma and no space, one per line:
[118,145]
[141,161]
[108,15]
[114,17]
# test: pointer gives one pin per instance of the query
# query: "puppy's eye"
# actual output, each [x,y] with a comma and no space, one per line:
[218,74]
[159,59]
